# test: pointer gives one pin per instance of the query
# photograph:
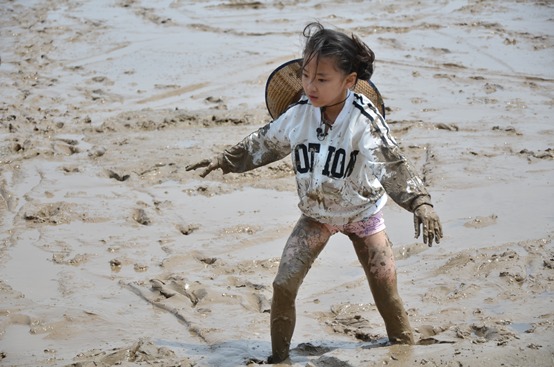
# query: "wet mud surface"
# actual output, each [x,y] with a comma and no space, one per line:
[112,254]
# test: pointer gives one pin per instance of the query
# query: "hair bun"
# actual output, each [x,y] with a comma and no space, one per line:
[350,53]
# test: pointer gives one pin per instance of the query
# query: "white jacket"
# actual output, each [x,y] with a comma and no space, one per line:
[343,178]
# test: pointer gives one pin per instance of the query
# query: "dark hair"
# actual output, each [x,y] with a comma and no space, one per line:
[350,53]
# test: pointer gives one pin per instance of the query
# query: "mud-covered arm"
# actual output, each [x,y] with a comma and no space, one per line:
[261,147]
[404,186]
[399,178]
[256,150]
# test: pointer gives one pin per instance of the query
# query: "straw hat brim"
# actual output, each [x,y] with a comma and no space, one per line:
[284,87]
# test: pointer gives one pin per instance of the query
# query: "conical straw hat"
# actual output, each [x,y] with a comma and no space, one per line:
[284,87]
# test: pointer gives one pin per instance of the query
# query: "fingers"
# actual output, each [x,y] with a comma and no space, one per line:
[432,231]
[210,164]
[417,223]
[439,231]
[430,234]
[435,231]
[427,222]
[425,232]
[202,163]
[209,169]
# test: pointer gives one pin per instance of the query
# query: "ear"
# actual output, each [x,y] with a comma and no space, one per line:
[350,80]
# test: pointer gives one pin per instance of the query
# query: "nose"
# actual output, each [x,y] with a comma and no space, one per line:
[310,86]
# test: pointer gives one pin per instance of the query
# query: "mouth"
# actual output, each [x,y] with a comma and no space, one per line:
[313,98]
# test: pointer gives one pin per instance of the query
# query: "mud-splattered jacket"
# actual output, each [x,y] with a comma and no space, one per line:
[346,176]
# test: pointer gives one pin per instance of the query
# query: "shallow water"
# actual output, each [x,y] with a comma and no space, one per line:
[469,86]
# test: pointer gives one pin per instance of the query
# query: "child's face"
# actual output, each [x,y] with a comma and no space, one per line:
[324,84]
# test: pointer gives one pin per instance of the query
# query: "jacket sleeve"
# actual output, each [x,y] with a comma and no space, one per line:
[264,146]
[400,180]
[396,174]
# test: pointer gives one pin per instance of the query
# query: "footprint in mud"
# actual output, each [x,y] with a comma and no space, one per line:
[54,213]
[62,259]
[429,335]
[139,216]
[257,295]
[188,229]
[481,333]
[178,286]
[96,152]
[65,147]
[117,176]
[347,319]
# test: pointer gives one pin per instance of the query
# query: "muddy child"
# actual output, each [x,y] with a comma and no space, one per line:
[346,164]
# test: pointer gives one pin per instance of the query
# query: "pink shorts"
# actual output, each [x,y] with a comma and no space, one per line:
[365,227]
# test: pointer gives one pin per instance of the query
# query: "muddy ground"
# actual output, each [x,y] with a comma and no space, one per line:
[112,254]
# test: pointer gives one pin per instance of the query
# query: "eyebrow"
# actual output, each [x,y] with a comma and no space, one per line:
[317,74]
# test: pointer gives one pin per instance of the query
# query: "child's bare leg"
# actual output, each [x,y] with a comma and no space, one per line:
[303,246]
[377,259]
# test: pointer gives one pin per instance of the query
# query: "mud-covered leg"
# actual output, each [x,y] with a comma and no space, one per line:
[376,256]
[303,246]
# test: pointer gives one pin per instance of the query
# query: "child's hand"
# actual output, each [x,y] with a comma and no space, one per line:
[210,164]
[426,216]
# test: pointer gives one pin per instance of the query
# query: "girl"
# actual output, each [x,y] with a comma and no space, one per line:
[346,164]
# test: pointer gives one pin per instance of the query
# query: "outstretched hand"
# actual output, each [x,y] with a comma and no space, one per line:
[210,164]
[426,217]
